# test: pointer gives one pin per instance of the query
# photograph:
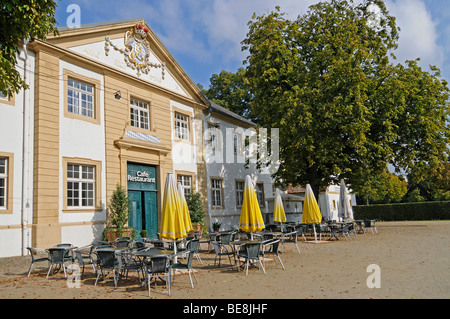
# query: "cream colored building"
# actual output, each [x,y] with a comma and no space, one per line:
[107,105]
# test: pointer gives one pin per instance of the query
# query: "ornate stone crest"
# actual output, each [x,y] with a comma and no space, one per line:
[137,50]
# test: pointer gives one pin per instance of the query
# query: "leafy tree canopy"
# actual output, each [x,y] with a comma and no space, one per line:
[21,20]
[229,90]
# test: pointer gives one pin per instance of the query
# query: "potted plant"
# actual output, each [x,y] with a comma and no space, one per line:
[118,216]
[216,226]
[143,233]
[196,213]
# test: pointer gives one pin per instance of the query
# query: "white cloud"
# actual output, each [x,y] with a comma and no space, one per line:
[418,34]
[226,21]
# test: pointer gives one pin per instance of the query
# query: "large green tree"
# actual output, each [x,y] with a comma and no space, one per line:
[229,90]
[384,188]
[342,108]
[21,20]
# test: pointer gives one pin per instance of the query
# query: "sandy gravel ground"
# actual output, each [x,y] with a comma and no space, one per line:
[413,259]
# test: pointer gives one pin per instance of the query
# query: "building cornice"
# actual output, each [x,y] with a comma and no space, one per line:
[38,45]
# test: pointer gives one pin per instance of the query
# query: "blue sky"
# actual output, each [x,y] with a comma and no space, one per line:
[204,36]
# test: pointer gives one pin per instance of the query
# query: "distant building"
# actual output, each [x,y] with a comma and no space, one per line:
[328,200]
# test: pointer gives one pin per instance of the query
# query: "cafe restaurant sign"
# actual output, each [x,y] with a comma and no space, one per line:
[141,177]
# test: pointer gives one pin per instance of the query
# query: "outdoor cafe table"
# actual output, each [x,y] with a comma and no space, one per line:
[116,249]
[276,234]
[333,230]
[154,253]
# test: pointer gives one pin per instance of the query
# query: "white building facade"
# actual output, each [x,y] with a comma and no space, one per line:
[16,161]
[229,144]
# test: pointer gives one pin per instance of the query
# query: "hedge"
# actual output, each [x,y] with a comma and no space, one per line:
[404,211]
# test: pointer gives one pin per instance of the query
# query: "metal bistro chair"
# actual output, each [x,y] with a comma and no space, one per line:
[158,267]
[252,252]
[227,238]
[69,252]
[58,256]
[302,230]
[291,237]
[344,231]
[123,242]
[106,261]
[370,224]
[187,266]
[128,261]
[84,257]
[273,250]
[34,259]
[194,245]
[221,250]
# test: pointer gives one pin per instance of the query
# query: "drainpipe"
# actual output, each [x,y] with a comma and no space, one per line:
[25,158]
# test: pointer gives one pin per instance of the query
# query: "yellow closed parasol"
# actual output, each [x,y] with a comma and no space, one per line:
[311,212]
[184,209]
[278,211]
[251,218]
[172,221]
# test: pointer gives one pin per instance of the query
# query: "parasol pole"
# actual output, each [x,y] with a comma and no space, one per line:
[315,233]
[175,251]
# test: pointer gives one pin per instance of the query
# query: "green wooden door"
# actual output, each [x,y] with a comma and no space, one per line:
[142,191]
[151,214]
[135,210]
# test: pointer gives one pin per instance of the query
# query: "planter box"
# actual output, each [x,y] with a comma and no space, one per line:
[111,233]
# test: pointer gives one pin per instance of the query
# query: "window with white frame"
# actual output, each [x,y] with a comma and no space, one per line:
[239,193]
[80,186]
[80,98]
[216,193]
[139,114]
[259,187]
[3,182]
[186,183]
[181,126]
